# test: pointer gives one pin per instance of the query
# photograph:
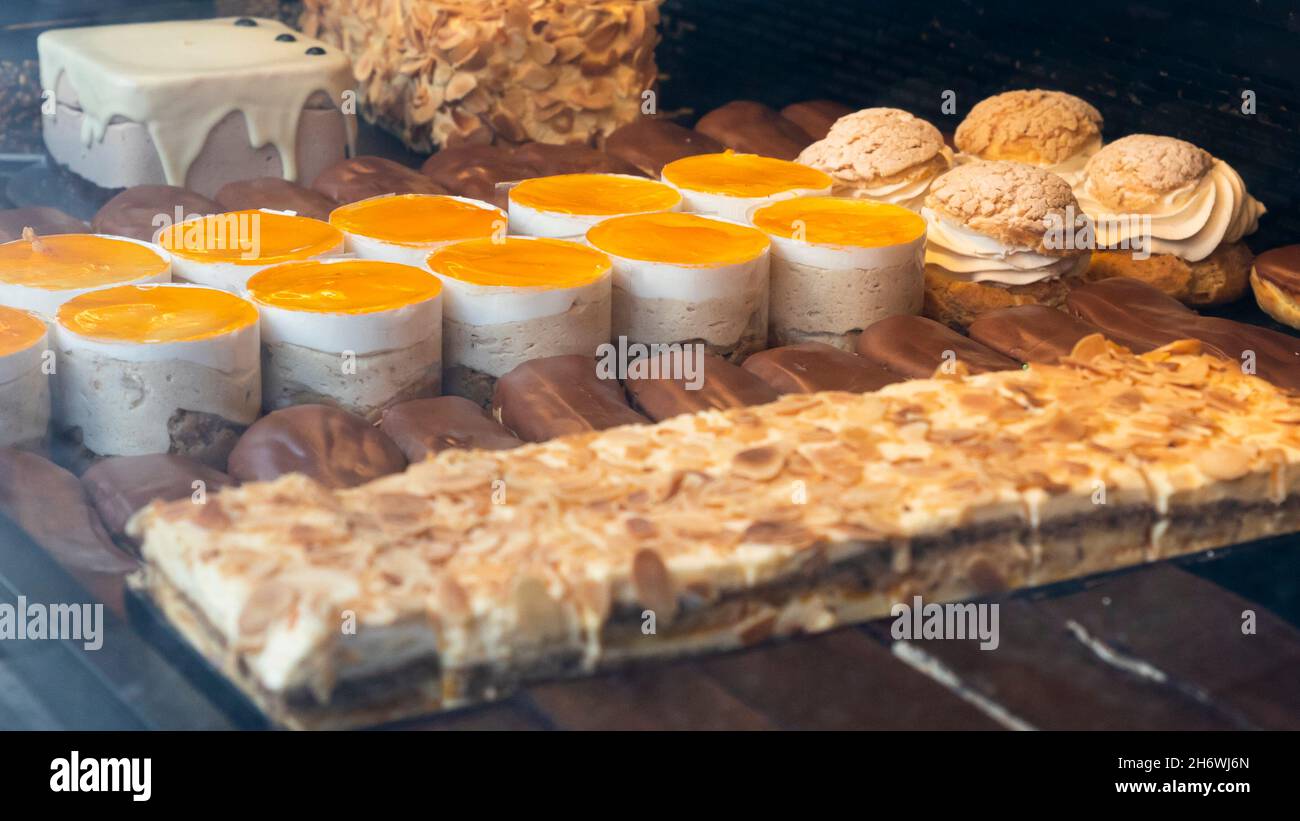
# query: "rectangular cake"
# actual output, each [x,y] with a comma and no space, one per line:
[476,571]
[441,73]
[193,103]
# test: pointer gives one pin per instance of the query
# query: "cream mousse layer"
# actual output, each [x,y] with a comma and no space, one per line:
[39,274]
[224,250]
[24,383]
[839,264]
[970,256]
[516,299]
[731,185]
[355,333]
[687,278]
[1188,222]
[406,228]
[157,369]
[564,206]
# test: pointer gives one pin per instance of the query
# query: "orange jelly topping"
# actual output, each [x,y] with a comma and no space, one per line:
[250,238]
[19,330]
[68,262]
[416,219]
[155,313]
[352,286]
[681,239]
[521,263]
[594,194]
[840,221]
[742,175]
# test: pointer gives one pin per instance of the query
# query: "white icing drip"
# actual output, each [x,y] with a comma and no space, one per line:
[181,77]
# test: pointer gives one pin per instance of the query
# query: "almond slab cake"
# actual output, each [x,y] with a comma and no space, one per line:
[476,571]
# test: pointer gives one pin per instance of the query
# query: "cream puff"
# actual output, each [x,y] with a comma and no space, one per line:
[1172,215]
[1000,234]
[882,154]
[1055,131]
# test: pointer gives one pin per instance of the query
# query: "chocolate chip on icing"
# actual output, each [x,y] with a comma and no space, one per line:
[314,50]
[246,21]
[285,38]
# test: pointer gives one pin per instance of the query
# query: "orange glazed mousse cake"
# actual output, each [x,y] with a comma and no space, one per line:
[731,185]
[517,299]
[840,264]
[406,228]
[687,278]
[24,385]
[356,333]
[41,273]
[157,369]
[566,205]
[224,250]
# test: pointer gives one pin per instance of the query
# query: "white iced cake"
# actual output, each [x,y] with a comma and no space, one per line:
[194,103]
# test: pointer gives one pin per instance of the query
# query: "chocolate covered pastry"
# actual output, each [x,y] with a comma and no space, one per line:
[650,144]
[557,396]
[570,159]
[121,485]
[361,178]
[331,446]
[916,348]
[1133,313]
[753,128]
[814,366]
[41,219]
[277,195]
[423,427]
[141,211]
[815,116]
[50,505]
[474,171]
[672,386]
[730,527]
[1032,333]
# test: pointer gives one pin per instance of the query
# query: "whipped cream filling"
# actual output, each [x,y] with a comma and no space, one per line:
[974,257]
[908,193]
[1188,222]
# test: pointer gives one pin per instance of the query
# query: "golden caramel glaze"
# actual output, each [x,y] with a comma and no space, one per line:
[68,262]
[520,262]
[595,194]
[417,219]
[678,239]
[151,314]
[19,330]
[250,237]
[742,175]
[349,286]
[840,221]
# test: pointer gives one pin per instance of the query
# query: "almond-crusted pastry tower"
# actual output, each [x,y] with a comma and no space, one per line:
[1050,129]
[883,154]
[1172,215]
[1000,234]
[451,72]
[731,526]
